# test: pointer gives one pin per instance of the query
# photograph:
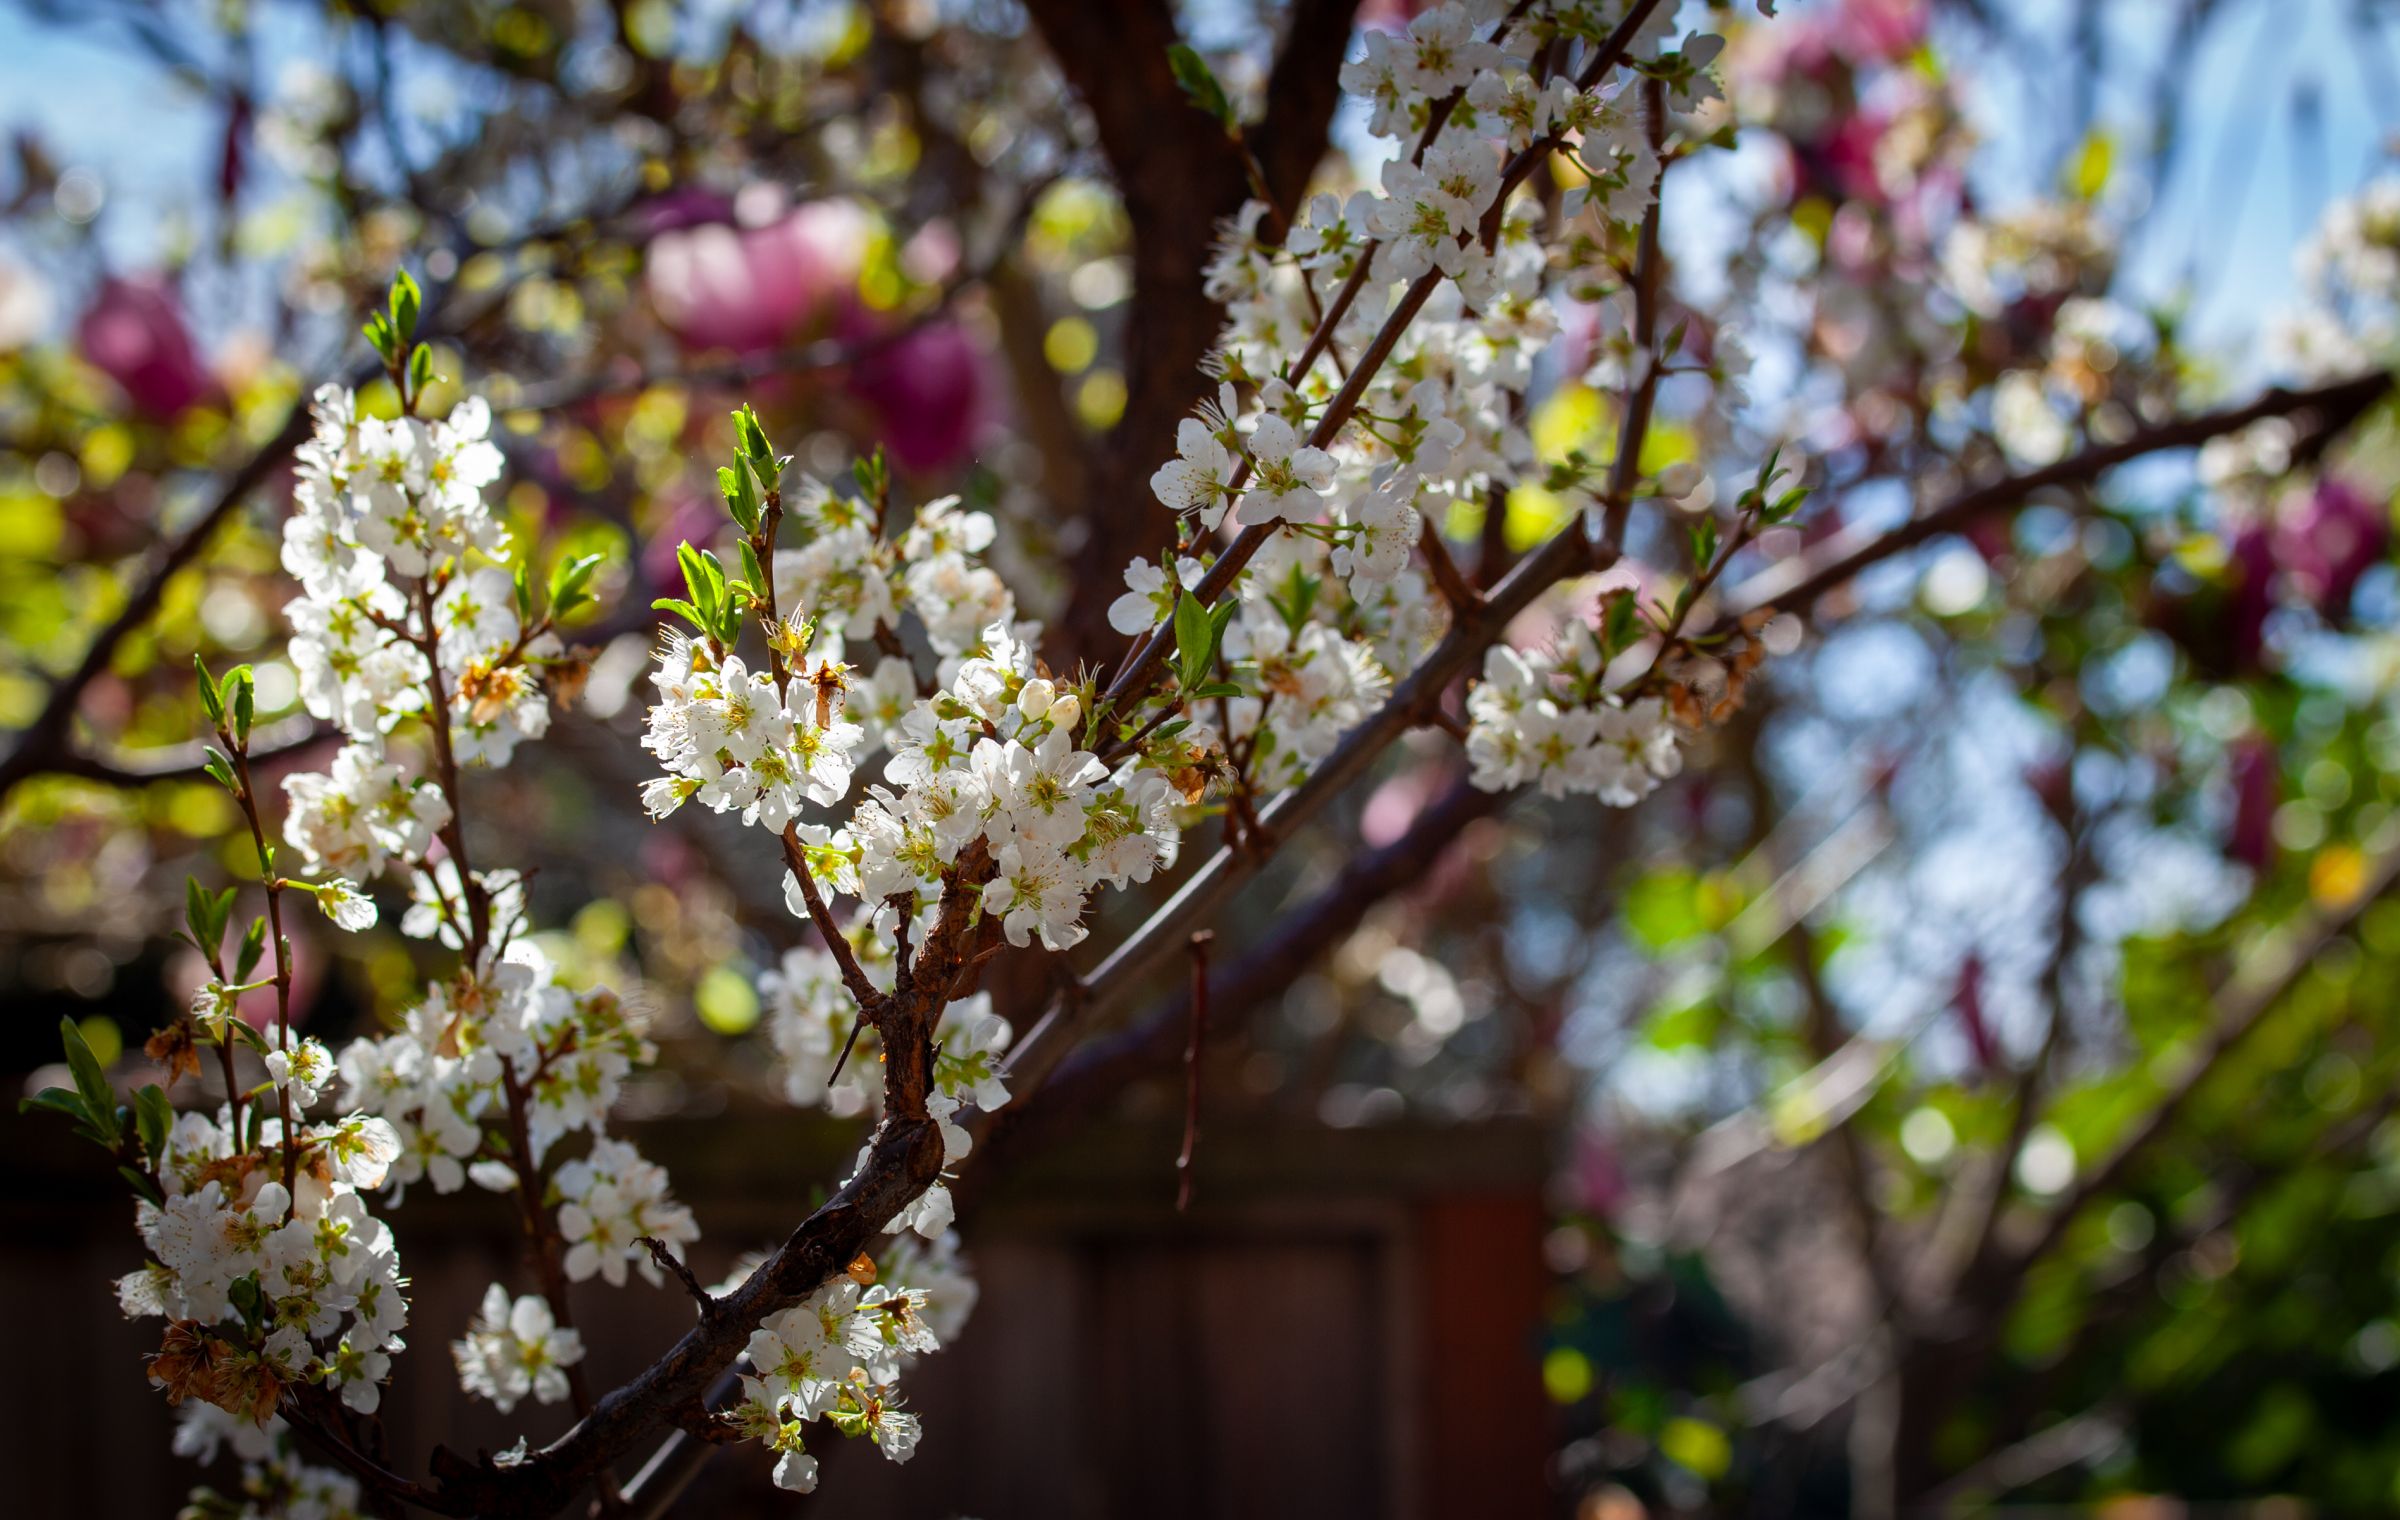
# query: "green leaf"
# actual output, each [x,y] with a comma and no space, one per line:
[1192,628]
[222,769]
[420,370]
[705,579]
[570,582]
[754,574]
[1199,84]
[1618,624]
[1220,618]
[1704,542]
[682,609]
[154,1116]
[99,1099]
[873,474]
[254,945]
[759,453]
[1668,349]
[196,915]
[212,699]
[522,590]
[2087,172]
[242,696]
[139,1183]
[741,497]
[58,1101]
[406,302]
[378,330]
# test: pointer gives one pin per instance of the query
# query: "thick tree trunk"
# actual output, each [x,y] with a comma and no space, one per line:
[1179,178]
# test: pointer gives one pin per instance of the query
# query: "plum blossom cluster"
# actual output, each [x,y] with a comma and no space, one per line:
[274,1483]
[1540,719]
[443,1078]
[985,758]
[417,619]
[2350,271]
[835,1356]
[393,621]
[267,1285]
[809,1018]
[419,635]
[516,1348]
[613,1200]
[1342,600]
[483,1078]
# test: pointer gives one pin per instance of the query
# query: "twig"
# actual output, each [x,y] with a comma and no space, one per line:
[857,1022]
[44,742]
[2241,1007]
[1191,1071]
[1625,469]
[864,992]
[1796,582]
[673,1264]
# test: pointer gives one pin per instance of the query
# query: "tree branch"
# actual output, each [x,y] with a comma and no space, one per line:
[1799,581]
[2246,1000]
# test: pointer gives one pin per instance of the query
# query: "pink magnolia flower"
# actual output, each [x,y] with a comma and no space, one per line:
[2329,542]
[1872,31]
[928,394]
[752,289]
[134,333]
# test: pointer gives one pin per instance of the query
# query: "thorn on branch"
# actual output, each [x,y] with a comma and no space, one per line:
[1447,721]
[683,1274]
[858,1022]
[1191,1071]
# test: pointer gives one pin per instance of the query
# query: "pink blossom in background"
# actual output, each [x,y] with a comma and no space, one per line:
[1876,31]
[928,394]
[134,333]
[1597,1177]
[1395,805]
[2334,538]
[1854,32]
[688,518]
[754,289]
[2254,595]
[1843,162]
[677,210]
[2251,838]
[1390,15]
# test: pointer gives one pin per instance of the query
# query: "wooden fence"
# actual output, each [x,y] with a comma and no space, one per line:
[1345,1324]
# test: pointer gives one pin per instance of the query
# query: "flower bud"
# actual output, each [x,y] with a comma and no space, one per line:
[1034,701]
[1067,711]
